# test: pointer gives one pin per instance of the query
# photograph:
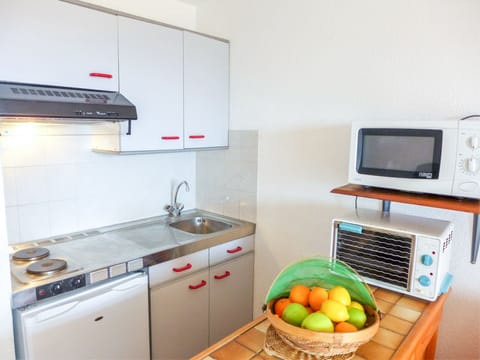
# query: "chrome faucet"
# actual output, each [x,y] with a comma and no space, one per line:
[176,208]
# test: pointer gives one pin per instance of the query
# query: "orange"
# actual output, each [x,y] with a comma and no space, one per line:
[309,309]
[299,294]
[344,327]
[280,305]
[317,296]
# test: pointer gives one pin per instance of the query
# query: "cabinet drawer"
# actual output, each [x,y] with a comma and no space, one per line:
[178,268]
[231,249]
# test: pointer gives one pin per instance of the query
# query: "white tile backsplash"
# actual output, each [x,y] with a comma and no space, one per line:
[33,221]
[10,187]
[26,150]
[227,179]
[31,184]
[67,149]
[61,182]
[56,185]
[248,206]
[13,227]
[62,216]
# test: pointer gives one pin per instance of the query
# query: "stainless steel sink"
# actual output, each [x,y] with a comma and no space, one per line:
[201,225]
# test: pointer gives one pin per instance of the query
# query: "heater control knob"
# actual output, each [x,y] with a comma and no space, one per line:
[424,280]
[426,260]
[76,282]
[56,288]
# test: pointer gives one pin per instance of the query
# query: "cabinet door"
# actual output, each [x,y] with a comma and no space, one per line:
[206,91]
[52,42]
[231,296]
[151,77]
[179,317]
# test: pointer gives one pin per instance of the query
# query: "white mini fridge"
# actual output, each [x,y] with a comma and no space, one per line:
[107,321]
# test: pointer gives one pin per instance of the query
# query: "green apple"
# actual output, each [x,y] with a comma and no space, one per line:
[356,317]
[294,314]
[318,321]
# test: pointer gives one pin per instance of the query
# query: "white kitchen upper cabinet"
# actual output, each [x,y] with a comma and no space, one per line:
[151,77]
[56,43]
[206,91]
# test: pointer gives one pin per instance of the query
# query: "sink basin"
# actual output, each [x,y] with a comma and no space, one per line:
[201,225]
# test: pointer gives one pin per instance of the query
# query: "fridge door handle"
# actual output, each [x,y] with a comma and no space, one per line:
[132,284]
[56,311]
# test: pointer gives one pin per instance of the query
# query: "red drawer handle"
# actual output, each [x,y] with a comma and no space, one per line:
[170,137]
[197,136]
[102,75]
[180,269]
[233,251]
[198,286]
[219,277]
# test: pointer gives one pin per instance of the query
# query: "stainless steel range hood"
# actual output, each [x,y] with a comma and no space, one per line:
[19,101]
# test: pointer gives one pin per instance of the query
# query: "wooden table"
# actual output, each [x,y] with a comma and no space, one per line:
[408,330]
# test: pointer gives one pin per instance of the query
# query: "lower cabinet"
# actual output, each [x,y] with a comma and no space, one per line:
[197,299]
[231,296]
[179,317]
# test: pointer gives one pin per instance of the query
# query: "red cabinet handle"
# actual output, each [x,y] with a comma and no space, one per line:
[170,137]
[196,137]
[219,277]
[233,251]
[180,269]
[198,286]
[102,75]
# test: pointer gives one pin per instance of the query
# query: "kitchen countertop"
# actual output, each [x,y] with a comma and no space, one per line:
[151,239]
[408,330]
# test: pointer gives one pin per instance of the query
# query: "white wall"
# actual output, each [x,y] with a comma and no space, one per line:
[301,71]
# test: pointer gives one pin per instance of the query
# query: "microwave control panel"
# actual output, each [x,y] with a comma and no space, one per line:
[467,172]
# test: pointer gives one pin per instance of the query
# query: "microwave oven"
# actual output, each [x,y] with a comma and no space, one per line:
[402,253]
[441,157]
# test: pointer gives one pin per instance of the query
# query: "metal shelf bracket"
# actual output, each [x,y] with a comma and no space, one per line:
[475,239]
[386,206]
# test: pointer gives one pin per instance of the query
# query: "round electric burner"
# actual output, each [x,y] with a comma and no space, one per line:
[46,266]
[30,254]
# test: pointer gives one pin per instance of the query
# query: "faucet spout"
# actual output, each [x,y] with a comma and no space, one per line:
[187,188]
[176,208]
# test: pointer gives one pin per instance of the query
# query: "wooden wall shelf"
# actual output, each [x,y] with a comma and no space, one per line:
[437,201]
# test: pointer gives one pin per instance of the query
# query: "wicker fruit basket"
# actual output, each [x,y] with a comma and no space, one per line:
[320,345]
[291,342]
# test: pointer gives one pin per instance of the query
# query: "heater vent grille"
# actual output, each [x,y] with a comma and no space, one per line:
[378,255]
